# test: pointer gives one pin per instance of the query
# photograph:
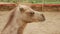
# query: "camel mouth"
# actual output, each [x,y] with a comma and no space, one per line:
[42,19]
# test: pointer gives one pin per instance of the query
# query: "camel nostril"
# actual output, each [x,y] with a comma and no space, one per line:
[32,13]
[43,17]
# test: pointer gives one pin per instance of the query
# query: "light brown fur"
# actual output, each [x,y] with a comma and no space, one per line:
[22,15]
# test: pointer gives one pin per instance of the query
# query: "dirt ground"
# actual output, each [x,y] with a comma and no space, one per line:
[50,26]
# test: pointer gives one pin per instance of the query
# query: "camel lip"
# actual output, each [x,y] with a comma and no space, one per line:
[42,20]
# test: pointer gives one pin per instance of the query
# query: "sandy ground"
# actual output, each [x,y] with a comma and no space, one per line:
[50,26]
[3,16]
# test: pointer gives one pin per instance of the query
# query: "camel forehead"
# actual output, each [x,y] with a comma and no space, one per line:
[24,6]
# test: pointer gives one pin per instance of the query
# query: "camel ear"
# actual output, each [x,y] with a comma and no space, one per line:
[21,9]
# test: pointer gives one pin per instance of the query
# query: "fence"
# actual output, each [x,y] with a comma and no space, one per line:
[47,5]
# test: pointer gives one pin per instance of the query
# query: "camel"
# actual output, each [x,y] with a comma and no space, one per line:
[19,17]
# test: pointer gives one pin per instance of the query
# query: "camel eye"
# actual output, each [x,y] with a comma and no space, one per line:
[32,13]
[22,9]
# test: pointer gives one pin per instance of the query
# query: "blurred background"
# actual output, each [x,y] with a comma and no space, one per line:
[40,5]
[34,1]
[50,9]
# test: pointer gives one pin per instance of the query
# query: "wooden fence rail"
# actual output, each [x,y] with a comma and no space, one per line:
[38,7]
